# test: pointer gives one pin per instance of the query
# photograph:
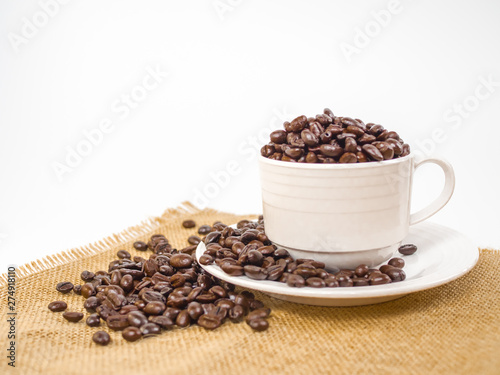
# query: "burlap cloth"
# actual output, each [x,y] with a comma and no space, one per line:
[453,329]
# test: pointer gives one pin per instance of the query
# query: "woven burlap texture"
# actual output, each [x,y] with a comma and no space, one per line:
[452,329]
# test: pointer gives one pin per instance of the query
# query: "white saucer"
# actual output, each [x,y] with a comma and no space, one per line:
[443,255]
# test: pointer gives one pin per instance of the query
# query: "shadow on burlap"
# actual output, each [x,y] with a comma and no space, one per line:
[452,329]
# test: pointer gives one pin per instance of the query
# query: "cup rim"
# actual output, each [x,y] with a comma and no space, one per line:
[371,164]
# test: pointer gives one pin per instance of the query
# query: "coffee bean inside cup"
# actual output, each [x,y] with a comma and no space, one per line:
[332,139]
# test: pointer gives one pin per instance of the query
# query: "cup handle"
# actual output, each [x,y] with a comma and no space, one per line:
[439,202]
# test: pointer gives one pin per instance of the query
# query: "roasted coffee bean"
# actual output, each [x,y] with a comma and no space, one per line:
[294,152]
[309,138]
[236,313]
[176,300]
[123,254]
[225,303]
[258,324]
[372,152]
[72,317]
[301,139]
[232,269]
[311,157]
[298,124]
[385,268]
[328,112]
[64,287]
[194,310]
[87,276]
[101,338]
[138,259]
[361,270]
[219,291]
[275,272]
[278,136]
[58,306]
[115,278]
[117,322]
[360,281]
[212,237]
[240,299]
[93,320]
[386,150]
[105,312]
[331,282]
[351,146]
[204,230]
[150,329]
[163,321]
[154,308]
[194,240]
[256,304]
[366,139]
[77,289]
[131,334]
[188,249]
[254,272]
[397,262]
[91,304]
[128,309]
[407,249]
[258,314]
[183,319]
[206,297]
[315,282]
[136,318]
[177,280]
[361,157]
[267,150]
[348,157]
[150,296]
[379,279]
[331,150]
[295,281]
[344,281]
[117,300]
[397,147]
[396,274]
[127,283]
[255,257]
[316,128]
[206,259]
[181,260]
[141,246]
[209,322]
[188,224]
[171,312]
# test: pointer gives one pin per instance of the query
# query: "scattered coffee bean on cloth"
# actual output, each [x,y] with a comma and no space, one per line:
[144,296]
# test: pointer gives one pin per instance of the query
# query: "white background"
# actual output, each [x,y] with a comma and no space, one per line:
[233,71]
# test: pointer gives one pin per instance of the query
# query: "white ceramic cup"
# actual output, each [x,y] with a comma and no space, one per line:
[344,214]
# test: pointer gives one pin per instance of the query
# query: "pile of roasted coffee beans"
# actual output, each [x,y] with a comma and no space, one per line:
[327,138]
[141,297]
[247,251]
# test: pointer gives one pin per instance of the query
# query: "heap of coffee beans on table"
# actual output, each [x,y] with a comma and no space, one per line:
[327,138]
[141,297]
[247,251]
